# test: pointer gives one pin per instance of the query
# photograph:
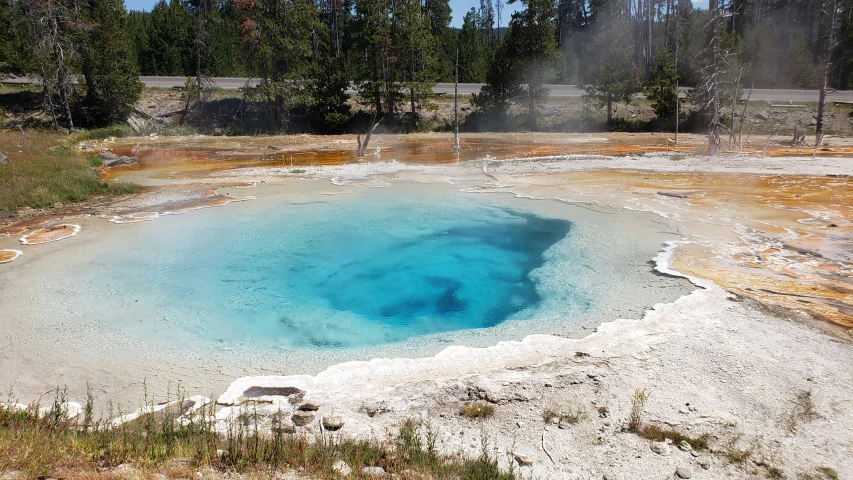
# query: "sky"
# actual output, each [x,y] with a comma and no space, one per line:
[460,7]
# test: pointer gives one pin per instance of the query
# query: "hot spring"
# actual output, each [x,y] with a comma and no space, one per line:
[298,280]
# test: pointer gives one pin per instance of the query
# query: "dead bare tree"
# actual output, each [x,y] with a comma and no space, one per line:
[735,97]
[456,106]
[710,78]
[198,89]
[742,117]
[362,147]
[835,15]
[711,87]
[52,24]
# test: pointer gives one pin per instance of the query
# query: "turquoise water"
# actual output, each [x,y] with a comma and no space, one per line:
[351,272]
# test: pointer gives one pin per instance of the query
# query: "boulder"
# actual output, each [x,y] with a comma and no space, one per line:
[341,468]
[309,406]
[375,408]
[110,159]
[4,160]
[522,460]
[683,472]
[300,418]
[333,422]
[287,426]
[660,448]
[374,472]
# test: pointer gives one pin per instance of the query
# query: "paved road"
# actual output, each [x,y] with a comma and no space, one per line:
[771,95]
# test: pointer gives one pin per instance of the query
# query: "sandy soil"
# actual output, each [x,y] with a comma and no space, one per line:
[758,358]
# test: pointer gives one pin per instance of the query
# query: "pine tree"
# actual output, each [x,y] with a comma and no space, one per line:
[532,39]
[138,26]
[327,81]
[112,85]
[282,40]
[438,16]
[613,74]
[414,40]
[7,37]
[473,57]
[502,86]
[661,87]
[52,30]
[171,39]
[374,59]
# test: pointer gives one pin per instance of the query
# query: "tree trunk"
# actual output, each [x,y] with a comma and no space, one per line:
[61,74]
[609,108]
[412,93]
[456,104]
[362,147]
[827,68]
[531,106]
[713,94]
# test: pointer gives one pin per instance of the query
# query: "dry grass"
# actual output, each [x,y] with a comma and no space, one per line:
[43,171]
[572,415]
[659,434]
[638,405]
[477,410]
[162,442]
[804,411]
[735,454]
[828,472]
[655,432]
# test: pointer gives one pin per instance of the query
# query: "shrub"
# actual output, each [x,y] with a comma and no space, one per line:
[477,410]
[572,415]
[659,434]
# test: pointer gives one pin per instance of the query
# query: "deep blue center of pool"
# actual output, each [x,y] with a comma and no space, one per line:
[352,272]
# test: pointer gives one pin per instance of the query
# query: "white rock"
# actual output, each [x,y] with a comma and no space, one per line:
[300,418]
[333,422]
[374,472]
[522,459]
[341,468]
[683,472]
[309,406]
[660,448]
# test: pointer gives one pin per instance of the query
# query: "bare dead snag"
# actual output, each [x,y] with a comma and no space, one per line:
[362,147]
[827,69]
[743,116]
